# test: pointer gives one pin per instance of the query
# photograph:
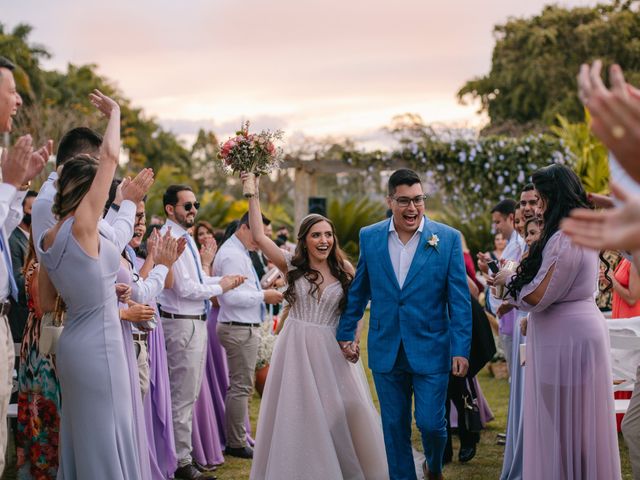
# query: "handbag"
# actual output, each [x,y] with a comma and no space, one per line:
[472,418]
[52,324]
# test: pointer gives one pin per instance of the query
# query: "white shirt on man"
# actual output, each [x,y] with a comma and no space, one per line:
[119,228]
[188,294]
[10,217]
[243,304]
[402,253]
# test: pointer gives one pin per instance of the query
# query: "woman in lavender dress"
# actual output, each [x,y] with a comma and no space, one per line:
[97,433]
[569,423]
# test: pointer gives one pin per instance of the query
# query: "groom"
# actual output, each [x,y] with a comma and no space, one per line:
[412,270]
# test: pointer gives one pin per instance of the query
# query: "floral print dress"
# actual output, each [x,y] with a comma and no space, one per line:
[38,397]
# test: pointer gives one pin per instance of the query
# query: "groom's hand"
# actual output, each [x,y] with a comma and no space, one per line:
[350,351]
[459,366]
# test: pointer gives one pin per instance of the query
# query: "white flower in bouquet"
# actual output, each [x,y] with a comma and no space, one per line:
[265,348]
[254,153]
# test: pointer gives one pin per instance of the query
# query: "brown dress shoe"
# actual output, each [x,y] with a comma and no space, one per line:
[188,472]
[428,475]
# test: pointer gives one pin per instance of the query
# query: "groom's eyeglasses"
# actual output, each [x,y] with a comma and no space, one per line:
[189,205]
[405,201]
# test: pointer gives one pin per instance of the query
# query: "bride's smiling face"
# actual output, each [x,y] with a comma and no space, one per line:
[319,241]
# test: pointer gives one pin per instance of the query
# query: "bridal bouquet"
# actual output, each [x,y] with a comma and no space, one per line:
[254,153]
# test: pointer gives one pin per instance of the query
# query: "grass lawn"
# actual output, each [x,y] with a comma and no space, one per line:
[486,465]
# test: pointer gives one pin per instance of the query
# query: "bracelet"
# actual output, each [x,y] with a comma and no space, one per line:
[115,207]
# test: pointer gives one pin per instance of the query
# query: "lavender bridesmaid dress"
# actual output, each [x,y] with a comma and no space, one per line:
[97,431]
[569,422]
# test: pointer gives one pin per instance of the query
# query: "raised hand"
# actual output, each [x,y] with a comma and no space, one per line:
[613,229]
[208,252]
[16,160]
[615,113]
[136,189]
[38,160]
[106,105]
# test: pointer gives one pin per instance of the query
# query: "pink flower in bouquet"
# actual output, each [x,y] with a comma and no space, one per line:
[271,148]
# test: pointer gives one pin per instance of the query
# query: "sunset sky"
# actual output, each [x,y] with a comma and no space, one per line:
[331,67]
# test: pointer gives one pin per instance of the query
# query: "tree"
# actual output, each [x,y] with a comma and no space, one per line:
[535,62]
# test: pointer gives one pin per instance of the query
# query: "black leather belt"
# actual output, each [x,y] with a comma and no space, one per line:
[179,316]
[4,308]
[241,324]
[140,337]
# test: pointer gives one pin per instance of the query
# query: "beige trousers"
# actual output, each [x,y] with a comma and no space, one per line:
[241,344]
[186,342]
[631,428]
[7,355]
[142,355]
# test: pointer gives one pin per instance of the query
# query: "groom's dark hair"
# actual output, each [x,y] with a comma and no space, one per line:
[403,176]
[505,207]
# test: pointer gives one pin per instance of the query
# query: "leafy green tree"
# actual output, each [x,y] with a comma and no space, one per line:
[535,62]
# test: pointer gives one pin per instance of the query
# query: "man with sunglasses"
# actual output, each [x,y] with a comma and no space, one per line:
[412,271]
[183,309]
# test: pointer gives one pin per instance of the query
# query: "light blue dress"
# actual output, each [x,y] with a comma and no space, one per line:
[97,439]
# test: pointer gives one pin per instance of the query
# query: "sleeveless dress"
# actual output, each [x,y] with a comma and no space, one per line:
[317,420]
[97,432]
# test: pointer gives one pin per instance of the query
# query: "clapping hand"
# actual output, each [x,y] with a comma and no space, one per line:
[166,250]
[15,161]
[615,113]
[614,229]
[208,252]
[135,190]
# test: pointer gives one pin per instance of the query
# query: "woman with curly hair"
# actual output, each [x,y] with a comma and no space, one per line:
[569,423]
[317,419]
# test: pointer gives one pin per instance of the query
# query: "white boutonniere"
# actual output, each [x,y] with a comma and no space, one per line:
[433,242]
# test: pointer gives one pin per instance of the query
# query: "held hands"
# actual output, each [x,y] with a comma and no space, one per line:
[459,366]
[350,351]
[229,282]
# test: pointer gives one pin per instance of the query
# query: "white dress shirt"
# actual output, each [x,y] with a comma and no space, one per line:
[402,254]
[119,228]
[10,217]
[243,304]
[188,294]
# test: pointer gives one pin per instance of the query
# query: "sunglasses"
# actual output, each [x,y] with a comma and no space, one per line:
[188,205]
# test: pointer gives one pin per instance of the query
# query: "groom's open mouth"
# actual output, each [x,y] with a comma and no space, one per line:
[411,220]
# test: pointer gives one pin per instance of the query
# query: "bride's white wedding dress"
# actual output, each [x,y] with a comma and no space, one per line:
[317,420]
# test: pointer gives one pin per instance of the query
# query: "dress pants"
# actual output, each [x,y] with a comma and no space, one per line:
[142,356]
[7,356]
[186,342]
[631,428]
[395,390]
[241,345]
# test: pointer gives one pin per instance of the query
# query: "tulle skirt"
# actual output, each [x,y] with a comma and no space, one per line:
[317,420]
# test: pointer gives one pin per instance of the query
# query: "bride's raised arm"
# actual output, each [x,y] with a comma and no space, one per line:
[266,245]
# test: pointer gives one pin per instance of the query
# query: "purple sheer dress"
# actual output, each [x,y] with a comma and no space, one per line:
[208,414]
[569,422]
[124,276]
[157,406]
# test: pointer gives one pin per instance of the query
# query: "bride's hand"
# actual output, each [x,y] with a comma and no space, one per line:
[245,175]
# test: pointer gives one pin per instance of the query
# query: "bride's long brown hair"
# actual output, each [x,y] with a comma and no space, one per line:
[337,261]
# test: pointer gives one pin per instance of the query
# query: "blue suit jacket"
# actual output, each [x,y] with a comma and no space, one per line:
[430,315]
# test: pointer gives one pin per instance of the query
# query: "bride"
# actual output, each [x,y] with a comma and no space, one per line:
[317,420]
